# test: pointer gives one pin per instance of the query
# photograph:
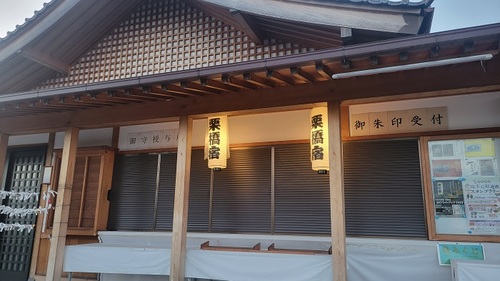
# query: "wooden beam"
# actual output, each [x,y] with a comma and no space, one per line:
[181,200]
[337,207]
[248,26]
[344,117]
[61,213]
[45,60]
[4,144]
[408,85]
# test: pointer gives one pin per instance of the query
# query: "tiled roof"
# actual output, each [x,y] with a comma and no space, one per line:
[411,3]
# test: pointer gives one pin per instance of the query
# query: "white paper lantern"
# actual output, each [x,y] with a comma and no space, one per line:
[217,142]
[319,139]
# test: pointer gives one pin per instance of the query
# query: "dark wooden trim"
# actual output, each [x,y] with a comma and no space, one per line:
[206,246]
[248,26]
[115,139]
[272,249]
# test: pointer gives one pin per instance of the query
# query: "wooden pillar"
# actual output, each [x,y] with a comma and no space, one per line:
[4,143]
[39,219]
[337,193]
[181,200]
[61,213]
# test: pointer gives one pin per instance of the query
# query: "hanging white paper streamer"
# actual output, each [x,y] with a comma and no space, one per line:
[47,195]
[15,226]
[24,196]
[22,212]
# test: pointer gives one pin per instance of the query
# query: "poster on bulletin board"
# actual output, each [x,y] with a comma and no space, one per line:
[466,185]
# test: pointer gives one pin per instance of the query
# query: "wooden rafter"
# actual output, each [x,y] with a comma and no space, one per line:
[280,77]
[175,89]
[302,75]
[324,70]
[243,84]
[214,84]
[263,82]
[200,88]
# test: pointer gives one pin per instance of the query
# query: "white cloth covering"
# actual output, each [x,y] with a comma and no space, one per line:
[146,255]
[116,258]
[249,266]
[475,271]
[235,266]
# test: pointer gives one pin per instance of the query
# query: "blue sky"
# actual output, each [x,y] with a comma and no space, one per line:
[449,14]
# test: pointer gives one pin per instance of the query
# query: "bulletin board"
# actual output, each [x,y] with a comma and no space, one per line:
[462,182]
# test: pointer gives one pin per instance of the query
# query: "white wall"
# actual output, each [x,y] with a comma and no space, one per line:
[28,139]
[266,127]
[86,138]
[464,112]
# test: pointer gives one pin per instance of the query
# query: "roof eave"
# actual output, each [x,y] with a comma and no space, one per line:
[492,32]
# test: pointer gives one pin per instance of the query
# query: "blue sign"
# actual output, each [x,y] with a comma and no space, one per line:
[459,251]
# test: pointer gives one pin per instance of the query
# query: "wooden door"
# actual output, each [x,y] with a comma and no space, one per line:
[24,174]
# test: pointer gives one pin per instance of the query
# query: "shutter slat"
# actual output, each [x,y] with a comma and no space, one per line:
[302,196]
[199,192]
[166,192]
[383,189]
[133,192]
[242,193]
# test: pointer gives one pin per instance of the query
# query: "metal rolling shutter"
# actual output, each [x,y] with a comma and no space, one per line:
[302,196]
[132,196]
[166,192]
[199,193]
[242,193]
[383,189]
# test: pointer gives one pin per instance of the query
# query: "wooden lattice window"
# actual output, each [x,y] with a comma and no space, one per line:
[89,205]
